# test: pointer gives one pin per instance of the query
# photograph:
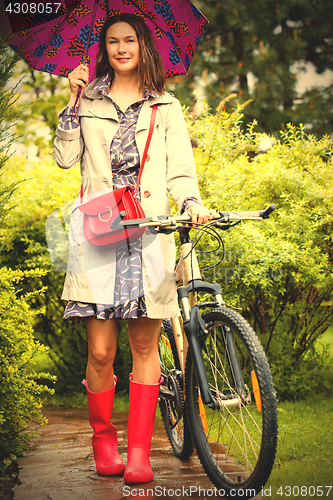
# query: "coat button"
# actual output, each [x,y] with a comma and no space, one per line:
[146,194]
[147,157]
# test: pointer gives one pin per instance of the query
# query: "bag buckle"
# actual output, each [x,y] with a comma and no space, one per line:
[105,220]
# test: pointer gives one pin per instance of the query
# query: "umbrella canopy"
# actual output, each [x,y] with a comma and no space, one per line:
[56,37]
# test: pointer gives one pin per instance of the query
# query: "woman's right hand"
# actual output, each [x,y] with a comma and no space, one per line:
[79,77]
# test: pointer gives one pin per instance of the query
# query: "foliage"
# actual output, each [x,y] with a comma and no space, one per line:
[40,98]
[259,49]
[7,118]
[19,387]
[279,272]
[50,189]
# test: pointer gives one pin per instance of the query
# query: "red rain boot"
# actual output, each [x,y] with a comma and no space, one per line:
[141,416]
[104,440]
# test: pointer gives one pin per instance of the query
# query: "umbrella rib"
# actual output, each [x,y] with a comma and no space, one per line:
[91,27]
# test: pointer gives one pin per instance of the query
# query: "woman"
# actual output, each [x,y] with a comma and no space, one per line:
[108,136]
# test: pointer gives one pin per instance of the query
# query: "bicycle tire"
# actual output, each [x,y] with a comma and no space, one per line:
[236,446]
[179,436]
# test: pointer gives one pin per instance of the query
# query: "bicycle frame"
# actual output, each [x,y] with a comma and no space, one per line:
[188,273]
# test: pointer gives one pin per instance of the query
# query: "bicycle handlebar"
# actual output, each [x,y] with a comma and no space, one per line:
[170,222]
[266,213]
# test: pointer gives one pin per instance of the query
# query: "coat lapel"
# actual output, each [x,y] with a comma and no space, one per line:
[145,113]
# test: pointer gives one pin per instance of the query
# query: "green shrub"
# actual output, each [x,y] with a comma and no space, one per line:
[19,387]
[25,247]
[279,272]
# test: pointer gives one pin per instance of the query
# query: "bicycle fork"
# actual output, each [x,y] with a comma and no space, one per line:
[195,329]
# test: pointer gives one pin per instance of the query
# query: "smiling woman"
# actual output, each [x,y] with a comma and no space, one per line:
[122,47]
[134,281]
[150,68]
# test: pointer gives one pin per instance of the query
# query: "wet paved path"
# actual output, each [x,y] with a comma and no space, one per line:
[60,465]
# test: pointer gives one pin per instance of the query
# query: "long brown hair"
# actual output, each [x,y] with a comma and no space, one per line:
[150,69]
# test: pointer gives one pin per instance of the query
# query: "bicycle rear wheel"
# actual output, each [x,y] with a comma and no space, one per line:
[237,443]
[178,433]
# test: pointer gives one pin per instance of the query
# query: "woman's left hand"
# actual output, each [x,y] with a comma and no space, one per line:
[200,214]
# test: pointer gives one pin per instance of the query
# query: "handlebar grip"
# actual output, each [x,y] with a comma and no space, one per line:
[266,213]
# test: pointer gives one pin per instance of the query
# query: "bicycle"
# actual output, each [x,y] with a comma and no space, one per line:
[218,394]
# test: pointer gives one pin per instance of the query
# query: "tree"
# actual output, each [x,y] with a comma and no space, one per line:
[8,61]
[256,48]
[19,384]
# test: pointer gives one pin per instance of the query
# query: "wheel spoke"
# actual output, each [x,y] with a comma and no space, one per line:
[234,442]
[179,436]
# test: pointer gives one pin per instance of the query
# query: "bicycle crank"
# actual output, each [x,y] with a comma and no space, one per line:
[174,394]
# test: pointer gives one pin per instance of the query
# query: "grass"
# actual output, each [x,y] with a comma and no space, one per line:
[305,449]
[327,340]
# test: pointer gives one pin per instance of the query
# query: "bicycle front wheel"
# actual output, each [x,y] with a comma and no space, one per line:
[174,413]
[236,443]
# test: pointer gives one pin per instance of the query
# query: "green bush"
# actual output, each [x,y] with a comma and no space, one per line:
[279,272]
[25,247]
[19,387]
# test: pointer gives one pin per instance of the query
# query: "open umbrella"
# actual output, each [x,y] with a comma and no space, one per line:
[57,37]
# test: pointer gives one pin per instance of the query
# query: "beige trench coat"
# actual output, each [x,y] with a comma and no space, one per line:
[169,168]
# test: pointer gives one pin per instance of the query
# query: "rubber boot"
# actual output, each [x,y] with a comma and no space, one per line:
[104,440]
[141,417]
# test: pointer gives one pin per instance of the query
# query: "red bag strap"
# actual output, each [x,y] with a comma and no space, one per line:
[150,134]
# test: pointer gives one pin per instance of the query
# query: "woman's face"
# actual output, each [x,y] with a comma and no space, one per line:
[122,47]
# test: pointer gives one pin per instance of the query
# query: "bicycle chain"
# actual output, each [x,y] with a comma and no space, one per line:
[179,406]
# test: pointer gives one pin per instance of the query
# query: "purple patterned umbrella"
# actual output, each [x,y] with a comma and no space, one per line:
[56,37]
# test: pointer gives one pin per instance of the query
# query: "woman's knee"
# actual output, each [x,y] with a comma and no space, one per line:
[144,336]
[142,345]
[102,342]
[101,357]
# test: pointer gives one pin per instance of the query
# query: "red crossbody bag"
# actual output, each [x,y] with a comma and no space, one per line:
[102,214]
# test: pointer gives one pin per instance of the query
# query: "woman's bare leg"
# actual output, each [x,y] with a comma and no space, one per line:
[102,346]
[144,334]
[144,390]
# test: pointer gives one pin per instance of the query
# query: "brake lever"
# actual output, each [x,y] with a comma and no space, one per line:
[167,229]
[223,226]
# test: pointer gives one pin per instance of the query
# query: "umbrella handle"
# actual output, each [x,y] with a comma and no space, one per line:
[73,116]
